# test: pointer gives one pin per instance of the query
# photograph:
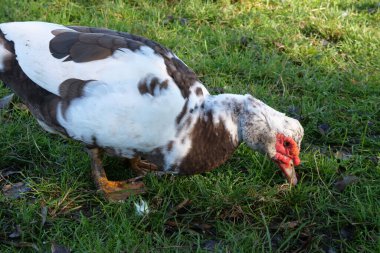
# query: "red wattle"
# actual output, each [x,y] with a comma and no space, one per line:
[289,152]
[296,161]
[280,148]
[283,159]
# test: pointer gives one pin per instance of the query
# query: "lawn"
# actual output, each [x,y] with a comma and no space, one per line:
[317,62]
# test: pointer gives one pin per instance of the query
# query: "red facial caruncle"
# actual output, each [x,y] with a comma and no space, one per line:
[287,156]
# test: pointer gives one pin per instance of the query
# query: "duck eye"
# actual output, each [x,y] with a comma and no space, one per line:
[287,144]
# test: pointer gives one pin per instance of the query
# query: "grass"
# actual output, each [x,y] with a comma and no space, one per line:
[315,60]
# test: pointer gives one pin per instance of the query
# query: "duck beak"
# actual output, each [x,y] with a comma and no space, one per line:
[290,173]
[287,167]
[287,164]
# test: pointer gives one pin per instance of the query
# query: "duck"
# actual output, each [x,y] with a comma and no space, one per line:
[127,96]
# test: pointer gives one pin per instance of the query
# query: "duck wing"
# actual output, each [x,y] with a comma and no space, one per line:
[98,85]
[91,54]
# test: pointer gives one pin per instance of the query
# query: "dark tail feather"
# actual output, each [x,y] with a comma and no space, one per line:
[6,54]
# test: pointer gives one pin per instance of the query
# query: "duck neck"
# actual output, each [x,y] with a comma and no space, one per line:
[215,134]
[226,109]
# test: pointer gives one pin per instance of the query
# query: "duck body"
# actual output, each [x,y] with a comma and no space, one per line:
[120,92]
[130,97]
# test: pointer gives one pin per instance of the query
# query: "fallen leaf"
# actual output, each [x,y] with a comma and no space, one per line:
[212,246]
[44,212]
[56,248]
[15,191]
[201,228]
[283,187]
[341,169]
[8,172]
[279,46]
[302,24]
[181,205]
[340,185]
[183,21]
[21,107]
[17,233]
[5,101]
[172,223]
[244,41]
[375,159]
[168,19]
[342,155]
[348,232]
[21,244]
[234,213]
[286,225]
[276,239]
[345,14]
[324,43]
[306,240]
[372,10]
[324,128]
[353,81]
[330,250]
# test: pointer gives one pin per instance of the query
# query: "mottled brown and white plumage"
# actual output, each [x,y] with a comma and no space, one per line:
[132,97]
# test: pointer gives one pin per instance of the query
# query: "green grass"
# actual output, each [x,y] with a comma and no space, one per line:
[318,61]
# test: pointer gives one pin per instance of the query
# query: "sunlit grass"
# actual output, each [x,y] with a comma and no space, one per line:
[316,61]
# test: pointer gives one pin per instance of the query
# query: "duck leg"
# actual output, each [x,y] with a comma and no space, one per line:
[112,190]
[142,167]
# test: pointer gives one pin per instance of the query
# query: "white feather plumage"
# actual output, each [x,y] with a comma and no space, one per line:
[114,98]
[114,112]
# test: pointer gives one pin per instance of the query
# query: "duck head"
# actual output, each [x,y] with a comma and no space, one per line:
[273,133]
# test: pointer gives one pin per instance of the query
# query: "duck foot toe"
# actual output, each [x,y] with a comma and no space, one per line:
[121,190]
[142,167]
[113,190]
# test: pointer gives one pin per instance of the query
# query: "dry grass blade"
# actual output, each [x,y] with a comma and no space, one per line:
[178,207]
[279,45]
[342,155]
[201,228]
[286,225]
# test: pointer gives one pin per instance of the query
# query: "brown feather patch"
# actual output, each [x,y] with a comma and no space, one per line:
[199,92]
[41,103]
[170,146]
[211,146]
[70,89]
[182,113]
[60,45]
[82,52]
[8,59]
[148,85]
[182,75]
[86,47]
